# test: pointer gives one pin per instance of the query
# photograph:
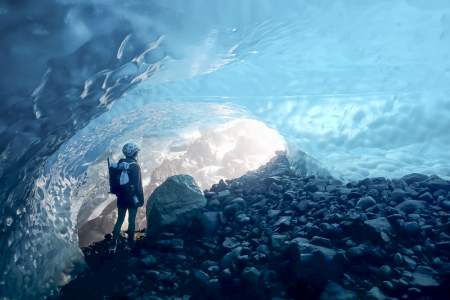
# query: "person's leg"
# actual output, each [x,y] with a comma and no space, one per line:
[119,222]
[131,223]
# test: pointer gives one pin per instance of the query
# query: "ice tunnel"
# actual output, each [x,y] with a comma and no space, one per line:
[210,88]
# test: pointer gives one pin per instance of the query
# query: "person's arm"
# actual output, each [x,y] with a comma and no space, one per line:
[136,181]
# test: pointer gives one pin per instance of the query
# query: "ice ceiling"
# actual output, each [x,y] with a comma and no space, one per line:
[362,86]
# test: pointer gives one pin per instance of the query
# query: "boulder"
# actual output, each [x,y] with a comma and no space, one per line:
[175,202]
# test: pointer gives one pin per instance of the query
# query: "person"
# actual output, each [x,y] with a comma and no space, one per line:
[131,197]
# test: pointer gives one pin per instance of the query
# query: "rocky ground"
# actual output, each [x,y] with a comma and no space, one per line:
[271,234]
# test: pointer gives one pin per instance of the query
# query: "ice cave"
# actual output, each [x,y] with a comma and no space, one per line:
[347,89]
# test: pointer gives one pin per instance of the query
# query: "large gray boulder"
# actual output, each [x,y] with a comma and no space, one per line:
[175,202]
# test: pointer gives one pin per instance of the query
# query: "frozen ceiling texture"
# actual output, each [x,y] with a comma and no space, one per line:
[212,88]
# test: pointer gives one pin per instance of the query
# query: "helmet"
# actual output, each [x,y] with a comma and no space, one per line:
[130,149]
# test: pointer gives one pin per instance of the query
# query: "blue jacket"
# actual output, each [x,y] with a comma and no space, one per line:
[125,199]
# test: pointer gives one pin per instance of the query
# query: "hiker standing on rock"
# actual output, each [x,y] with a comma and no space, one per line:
[126,184]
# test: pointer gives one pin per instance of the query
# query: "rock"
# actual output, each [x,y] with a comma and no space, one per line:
[213,204]
[242,219]
[387,285]
[174,202]
[376,226]
[411,228]
[446,205]
[423,277]
[311,187]
[357,252]
[398,259]
[220,186]
[443,247]
[427,197]
[200,278]
[334,291]
[376,294]
[289,196]
[209,222]
[303,205]
[284,221]
[277,241]
[230,243]
[410,206]
[318,196]
[149,261]
[231,257]
[314,263]
[251,275]
[321,241]
[409,262]
[437,183]
[224,194]
[239,202]
[398,195]
[273,213]
[414,177]
[365,202]
[384,272]
[277,188]
[173,244]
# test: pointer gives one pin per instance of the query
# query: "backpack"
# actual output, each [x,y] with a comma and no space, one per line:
[119,180]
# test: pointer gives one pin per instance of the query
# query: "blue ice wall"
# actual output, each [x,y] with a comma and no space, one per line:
[362,86]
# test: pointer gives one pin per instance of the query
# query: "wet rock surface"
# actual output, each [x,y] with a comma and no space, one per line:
[271,234]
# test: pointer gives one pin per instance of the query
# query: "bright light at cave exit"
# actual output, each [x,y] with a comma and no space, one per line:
[226,151]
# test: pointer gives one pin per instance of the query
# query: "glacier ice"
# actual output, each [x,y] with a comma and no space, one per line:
[360,86]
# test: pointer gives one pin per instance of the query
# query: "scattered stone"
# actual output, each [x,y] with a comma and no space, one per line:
[277,241]
[321,241]
[427,197]
[276,234]
[365,202]
[334,291]
[414,177]
[174,244]
[410,206]
[251,274]
[377,226]
[273,213]
[376,294]
[149,261]
[224,194]
[423,277]
[436,183]
[411,228]
[284,221]
[230,243]
[243,219]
